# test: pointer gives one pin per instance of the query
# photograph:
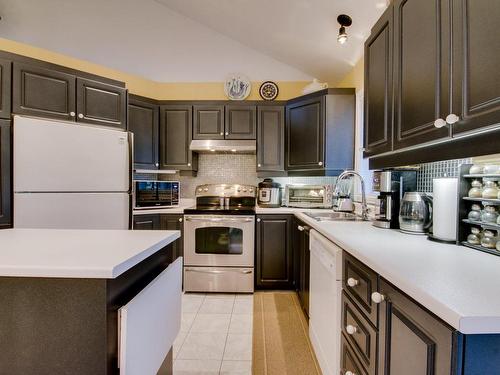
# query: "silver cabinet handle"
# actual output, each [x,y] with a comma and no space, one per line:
[452,118]
[72,114]
[143,222]
[352,282]
[180,220]
[80,115]
[439,123]
[320,163]
[377,297]
[258,220]
[351,330]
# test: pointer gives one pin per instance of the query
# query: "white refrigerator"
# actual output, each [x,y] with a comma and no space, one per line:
[71,176]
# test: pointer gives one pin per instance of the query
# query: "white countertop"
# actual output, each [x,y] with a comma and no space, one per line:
[183,203]
[77,253]
[458,284]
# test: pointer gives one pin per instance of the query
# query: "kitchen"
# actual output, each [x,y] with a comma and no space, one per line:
[280,225]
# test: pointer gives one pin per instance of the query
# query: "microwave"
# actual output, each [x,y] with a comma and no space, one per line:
[309,196]
[156,194]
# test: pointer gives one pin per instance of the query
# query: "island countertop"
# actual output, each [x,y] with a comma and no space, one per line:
[65,253]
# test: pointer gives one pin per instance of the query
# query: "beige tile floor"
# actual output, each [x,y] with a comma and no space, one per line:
[215,336]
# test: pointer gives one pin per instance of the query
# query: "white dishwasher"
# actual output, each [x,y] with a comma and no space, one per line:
[325,302]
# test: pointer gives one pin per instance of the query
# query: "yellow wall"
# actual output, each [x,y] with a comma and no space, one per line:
[355,78]
[145,87]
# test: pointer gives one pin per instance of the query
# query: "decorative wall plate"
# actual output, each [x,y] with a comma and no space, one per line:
[237,87]
[269,90]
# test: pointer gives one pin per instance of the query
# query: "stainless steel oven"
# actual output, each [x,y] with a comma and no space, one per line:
[219,240]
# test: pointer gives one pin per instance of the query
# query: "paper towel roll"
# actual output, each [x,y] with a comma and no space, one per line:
[444,207]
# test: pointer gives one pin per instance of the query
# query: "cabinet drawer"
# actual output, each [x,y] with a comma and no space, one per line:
[360,282]
[359,333]
[349,361]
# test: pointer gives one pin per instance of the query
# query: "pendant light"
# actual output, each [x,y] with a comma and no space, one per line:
[344,21]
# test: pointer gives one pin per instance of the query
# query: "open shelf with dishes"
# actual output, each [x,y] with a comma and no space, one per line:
[477,215]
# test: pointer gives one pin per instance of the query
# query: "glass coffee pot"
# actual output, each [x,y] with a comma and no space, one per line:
[415,214]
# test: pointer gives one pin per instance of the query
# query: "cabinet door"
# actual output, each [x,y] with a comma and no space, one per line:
[274,261]
[43,92]
[143,121]
[5,85]
[422,70]
[378,86]
[5,174]
[146,222]
[208,122]
[270,138]
[476,75]
[174,222]
[411,340]
[240,122]
[175,137]
[305,134]
[101,104]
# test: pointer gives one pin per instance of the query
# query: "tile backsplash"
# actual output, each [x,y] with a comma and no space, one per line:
[429,171]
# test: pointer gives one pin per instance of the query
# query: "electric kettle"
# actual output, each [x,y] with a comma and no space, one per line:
[415,213]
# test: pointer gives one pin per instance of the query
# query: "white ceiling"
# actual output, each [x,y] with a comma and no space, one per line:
[197,40]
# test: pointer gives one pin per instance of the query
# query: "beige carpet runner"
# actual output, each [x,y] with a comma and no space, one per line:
[281,343]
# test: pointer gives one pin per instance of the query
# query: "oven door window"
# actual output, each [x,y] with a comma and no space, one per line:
[219,240]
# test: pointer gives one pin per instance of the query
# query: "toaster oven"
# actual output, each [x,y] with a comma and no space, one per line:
[309,196]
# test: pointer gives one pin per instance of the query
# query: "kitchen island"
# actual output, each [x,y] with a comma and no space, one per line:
[88,301]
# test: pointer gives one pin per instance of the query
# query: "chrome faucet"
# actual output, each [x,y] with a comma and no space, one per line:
[343,176]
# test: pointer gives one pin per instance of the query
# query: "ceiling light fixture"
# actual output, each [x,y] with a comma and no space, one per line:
[344,21]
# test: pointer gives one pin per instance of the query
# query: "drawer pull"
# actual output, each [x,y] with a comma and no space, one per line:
[352,282]
[349,373]
[377,297]
[351,330]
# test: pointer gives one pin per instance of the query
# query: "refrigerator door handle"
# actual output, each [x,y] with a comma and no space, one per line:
[131,161]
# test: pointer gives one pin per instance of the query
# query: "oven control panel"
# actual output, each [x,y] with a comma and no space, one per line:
[226,190]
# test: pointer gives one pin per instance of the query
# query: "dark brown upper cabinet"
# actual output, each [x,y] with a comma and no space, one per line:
[5,174]
[320,133]
[176,131]
[143,122]
[240,122]
[411,340]
[422,70]
[43,92]
[378,86]
[101,104]
[476,91]
[274,252]
[5,86]
[208,122]
[271,139]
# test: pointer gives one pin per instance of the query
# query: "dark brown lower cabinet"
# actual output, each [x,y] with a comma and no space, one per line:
[163,222]
[412,340]
[5,174]
[303,256]
[348,360]
[274,252]
[174,222]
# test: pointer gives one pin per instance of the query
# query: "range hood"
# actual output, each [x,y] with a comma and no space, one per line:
[223,146]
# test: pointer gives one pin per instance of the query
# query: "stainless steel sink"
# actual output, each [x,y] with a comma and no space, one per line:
[333,216]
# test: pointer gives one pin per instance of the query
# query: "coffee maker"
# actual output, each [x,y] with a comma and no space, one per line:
[392,185]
